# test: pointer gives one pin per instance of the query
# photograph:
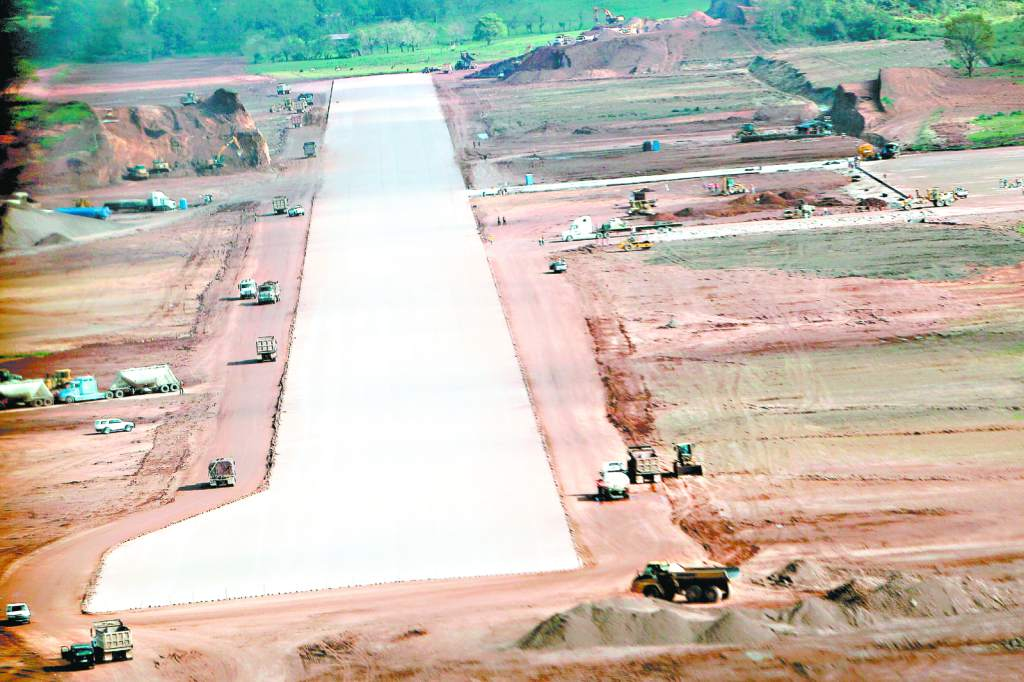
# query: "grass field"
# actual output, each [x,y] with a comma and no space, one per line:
[574,13]
[999,129]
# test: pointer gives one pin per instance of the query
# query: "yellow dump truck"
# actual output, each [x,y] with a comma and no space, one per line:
[698,584]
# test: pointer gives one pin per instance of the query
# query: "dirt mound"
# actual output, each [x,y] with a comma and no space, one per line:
[773,199]
[818,614]
[803,573]
[935,596]
[623,622]
[873,203]
[735,11]
[734,627]
[659,51]
[222,103]
[23,228]
[693,20]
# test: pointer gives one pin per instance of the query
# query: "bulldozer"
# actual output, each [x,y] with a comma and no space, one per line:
[190,99]
[136,172]
[58,379]
[938,197]
[640,204]
[82,202]
[801,211]
[159,167]
[729,186]
[634,244]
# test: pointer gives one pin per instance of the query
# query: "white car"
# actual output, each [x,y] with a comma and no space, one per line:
[18,613]
[111,425]
[296,211]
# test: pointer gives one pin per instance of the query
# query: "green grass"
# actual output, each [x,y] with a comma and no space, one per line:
[39,115]
[998,129]
[435,55]
[910,252]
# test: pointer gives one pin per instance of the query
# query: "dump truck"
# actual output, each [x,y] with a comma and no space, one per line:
[247,288]
[80,390]
[189,99]
[79,655]
[280,204]
[112,640]
[29,393]
[266,348]
[644,464]
[269,292]
[306,97]
[801,211]
[890,150]
[136,172]
[222,472]
[613,482]
[698,584]
[7,375]
[142,380]
[309,149]
[283,89]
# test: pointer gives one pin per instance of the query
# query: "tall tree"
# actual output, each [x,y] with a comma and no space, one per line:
[489,27]
[970,37]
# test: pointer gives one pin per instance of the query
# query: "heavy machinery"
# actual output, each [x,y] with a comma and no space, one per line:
[698,584]
[247,288]
[801,211]
[189,99]
[79,655]
[156,201]
[159,167]
[465,62]
[728,187]
[222,472]
[280,204]
[306,97]
[7,375]
[112,640]
[309,149]
[634,244]
[283,89]
[269,292]
[613,482]
[266,348]
[558,266]
[644,465]
[685,464]
[640,203]
[80,390]
[142,380]
[583,228]
[28,393]
[939,198]
[216,162]
[136,172]
[890,150]
[609,17]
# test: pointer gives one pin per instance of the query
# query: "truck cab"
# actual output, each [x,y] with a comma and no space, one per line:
[247,288]
[580,228]
[18,614]
[269,292]
[309,149]
[79,655]
[698,584]
[222,472]
[80,389]
[613,482]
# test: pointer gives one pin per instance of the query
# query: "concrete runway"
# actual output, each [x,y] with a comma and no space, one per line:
[407,448]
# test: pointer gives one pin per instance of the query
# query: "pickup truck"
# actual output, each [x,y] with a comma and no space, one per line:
[79,655]
[18,614]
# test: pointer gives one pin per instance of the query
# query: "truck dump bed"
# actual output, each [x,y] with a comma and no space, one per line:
[27,392]
[150,377]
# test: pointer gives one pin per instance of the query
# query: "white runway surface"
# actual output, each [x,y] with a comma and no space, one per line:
[408,448]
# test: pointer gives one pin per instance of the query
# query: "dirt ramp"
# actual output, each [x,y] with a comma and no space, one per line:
[621,622]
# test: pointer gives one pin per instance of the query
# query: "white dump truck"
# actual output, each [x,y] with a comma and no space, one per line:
[613,483]
[222,472]
[111,640]
[266,348]
[247,288]
[140,380]
[28,393]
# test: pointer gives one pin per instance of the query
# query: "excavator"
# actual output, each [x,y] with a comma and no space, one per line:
[609,18]
[216,162]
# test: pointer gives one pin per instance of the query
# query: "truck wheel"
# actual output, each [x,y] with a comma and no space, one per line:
[652,592]
[106,431]
[109,395]
[174,387]
[567,238]
[165,389]
[712,595]
[69,400]
[128,428]
[48,401]
[118,393]
[129,655]
[694,594]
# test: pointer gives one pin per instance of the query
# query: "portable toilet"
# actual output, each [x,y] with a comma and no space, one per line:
[529,178]
[182,204]
[655,146]
[647,146]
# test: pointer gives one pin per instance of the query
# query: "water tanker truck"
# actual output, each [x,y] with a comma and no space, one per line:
[30,393]
[140,380]
[613,483]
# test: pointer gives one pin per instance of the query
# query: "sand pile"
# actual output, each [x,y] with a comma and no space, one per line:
[23,228]
[805,574]
[907,597]
[735,627]
[819,615]
[624,622]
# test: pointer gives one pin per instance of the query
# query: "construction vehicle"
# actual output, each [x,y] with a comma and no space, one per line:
[82,202]
[698,584]
[309,149]
[112,640]
[189,99]
[306,97]
[685,464]
[156,201]
[634,244]
[143,380]
[939,198]
[216,162]
[18,614]
[266,348]
[868,152]
[222,472]
[136,172]
[296,120]
[269,292]
[801,211]
[107,426]
[890,150]
[80,390]
[296,212]
[27,393]
[644,465]
[728,187]
[557,267]
[159,167]
[609,17]
[640,203]
[247,288]
[960,192]
[465,62]
[79,655]
[7,375]
[583,228]
[280,204]
[283,89]
[613,482]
